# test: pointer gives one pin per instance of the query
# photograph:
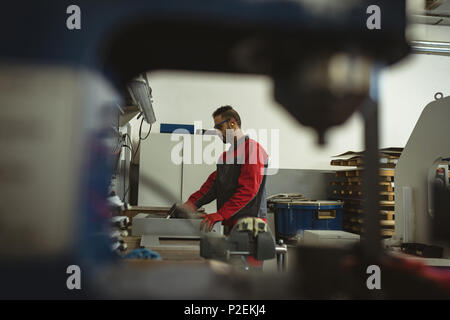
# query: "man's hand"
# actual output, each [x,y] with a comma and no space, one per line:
[209,220]
[188,206]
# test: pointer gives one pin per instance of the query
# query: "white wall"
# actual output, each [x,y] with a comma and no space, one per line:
[181,97]
[408,86]
[405,89]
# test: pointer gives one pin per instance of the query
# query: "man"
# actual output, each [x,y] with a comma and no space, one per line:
[238,184]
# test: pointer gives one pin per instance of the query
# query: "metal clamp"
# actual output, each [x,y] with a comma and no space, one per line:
[281,251]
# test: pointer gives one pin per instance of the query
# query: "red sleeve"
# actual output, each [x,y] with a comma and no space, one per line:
[249,183]
[206,186]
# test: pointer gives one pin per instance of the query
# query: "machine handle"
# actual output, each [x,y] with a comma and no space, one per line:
[329,214]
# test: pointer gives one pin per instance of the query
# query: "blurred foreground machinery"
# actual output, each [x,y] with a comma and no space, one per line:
[59,88]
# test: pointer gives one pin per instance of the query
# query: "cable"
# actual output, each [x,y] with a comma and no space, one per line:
[125,170]
[129,139]
[140,138]
[138,147]
[148,133]
[139,143]
[127,146]
[125,178]
[125,175]
[125,194]
[130,147]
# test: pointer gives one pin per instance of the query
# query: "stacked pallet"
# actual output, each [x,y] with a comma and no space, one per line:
[347,187]
[388,158]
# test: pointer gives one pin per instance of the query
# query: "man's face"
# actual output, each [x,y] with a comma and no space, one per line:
[223,128]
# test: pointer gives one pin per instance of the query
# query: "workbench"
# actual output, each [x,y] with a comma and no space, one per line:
[186,250]
[179,250]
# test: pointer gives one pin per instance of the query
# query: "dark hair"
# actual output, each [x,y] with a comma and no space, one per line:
[228,112]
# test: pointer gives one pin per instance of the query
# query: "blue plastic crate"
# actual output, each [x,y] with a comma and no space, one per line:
[292,218]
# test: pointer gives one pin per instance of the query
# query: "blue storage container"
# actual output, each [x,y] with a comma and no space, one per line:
[293,217]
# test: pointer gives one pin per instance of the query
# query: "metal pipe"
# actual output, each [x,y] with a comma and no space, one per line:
[280,262]
[430,43]
[371,243]
[281,252]
[281,249]
[431,47]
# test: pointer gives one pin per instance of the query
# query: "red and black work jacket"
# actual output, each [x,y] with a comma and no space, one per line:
[238,184]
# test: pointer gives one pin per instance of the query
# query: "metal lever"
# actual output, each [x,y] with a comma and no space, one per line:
[281,251]
[171,211]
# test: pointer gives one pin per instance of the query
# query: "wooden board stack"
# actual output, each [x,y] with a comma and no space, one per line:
[347,187]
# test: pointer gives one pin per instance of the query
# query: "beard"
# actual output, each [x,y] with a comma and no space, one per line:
[228,137]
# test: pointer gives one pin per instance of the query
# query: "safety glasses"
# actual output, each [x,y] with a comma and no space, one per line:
[219,125]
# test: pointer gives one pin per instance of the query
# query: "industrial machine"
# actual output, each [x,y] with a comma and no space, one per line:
[141,93]
[417,219]
[153,227]
[249,237]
